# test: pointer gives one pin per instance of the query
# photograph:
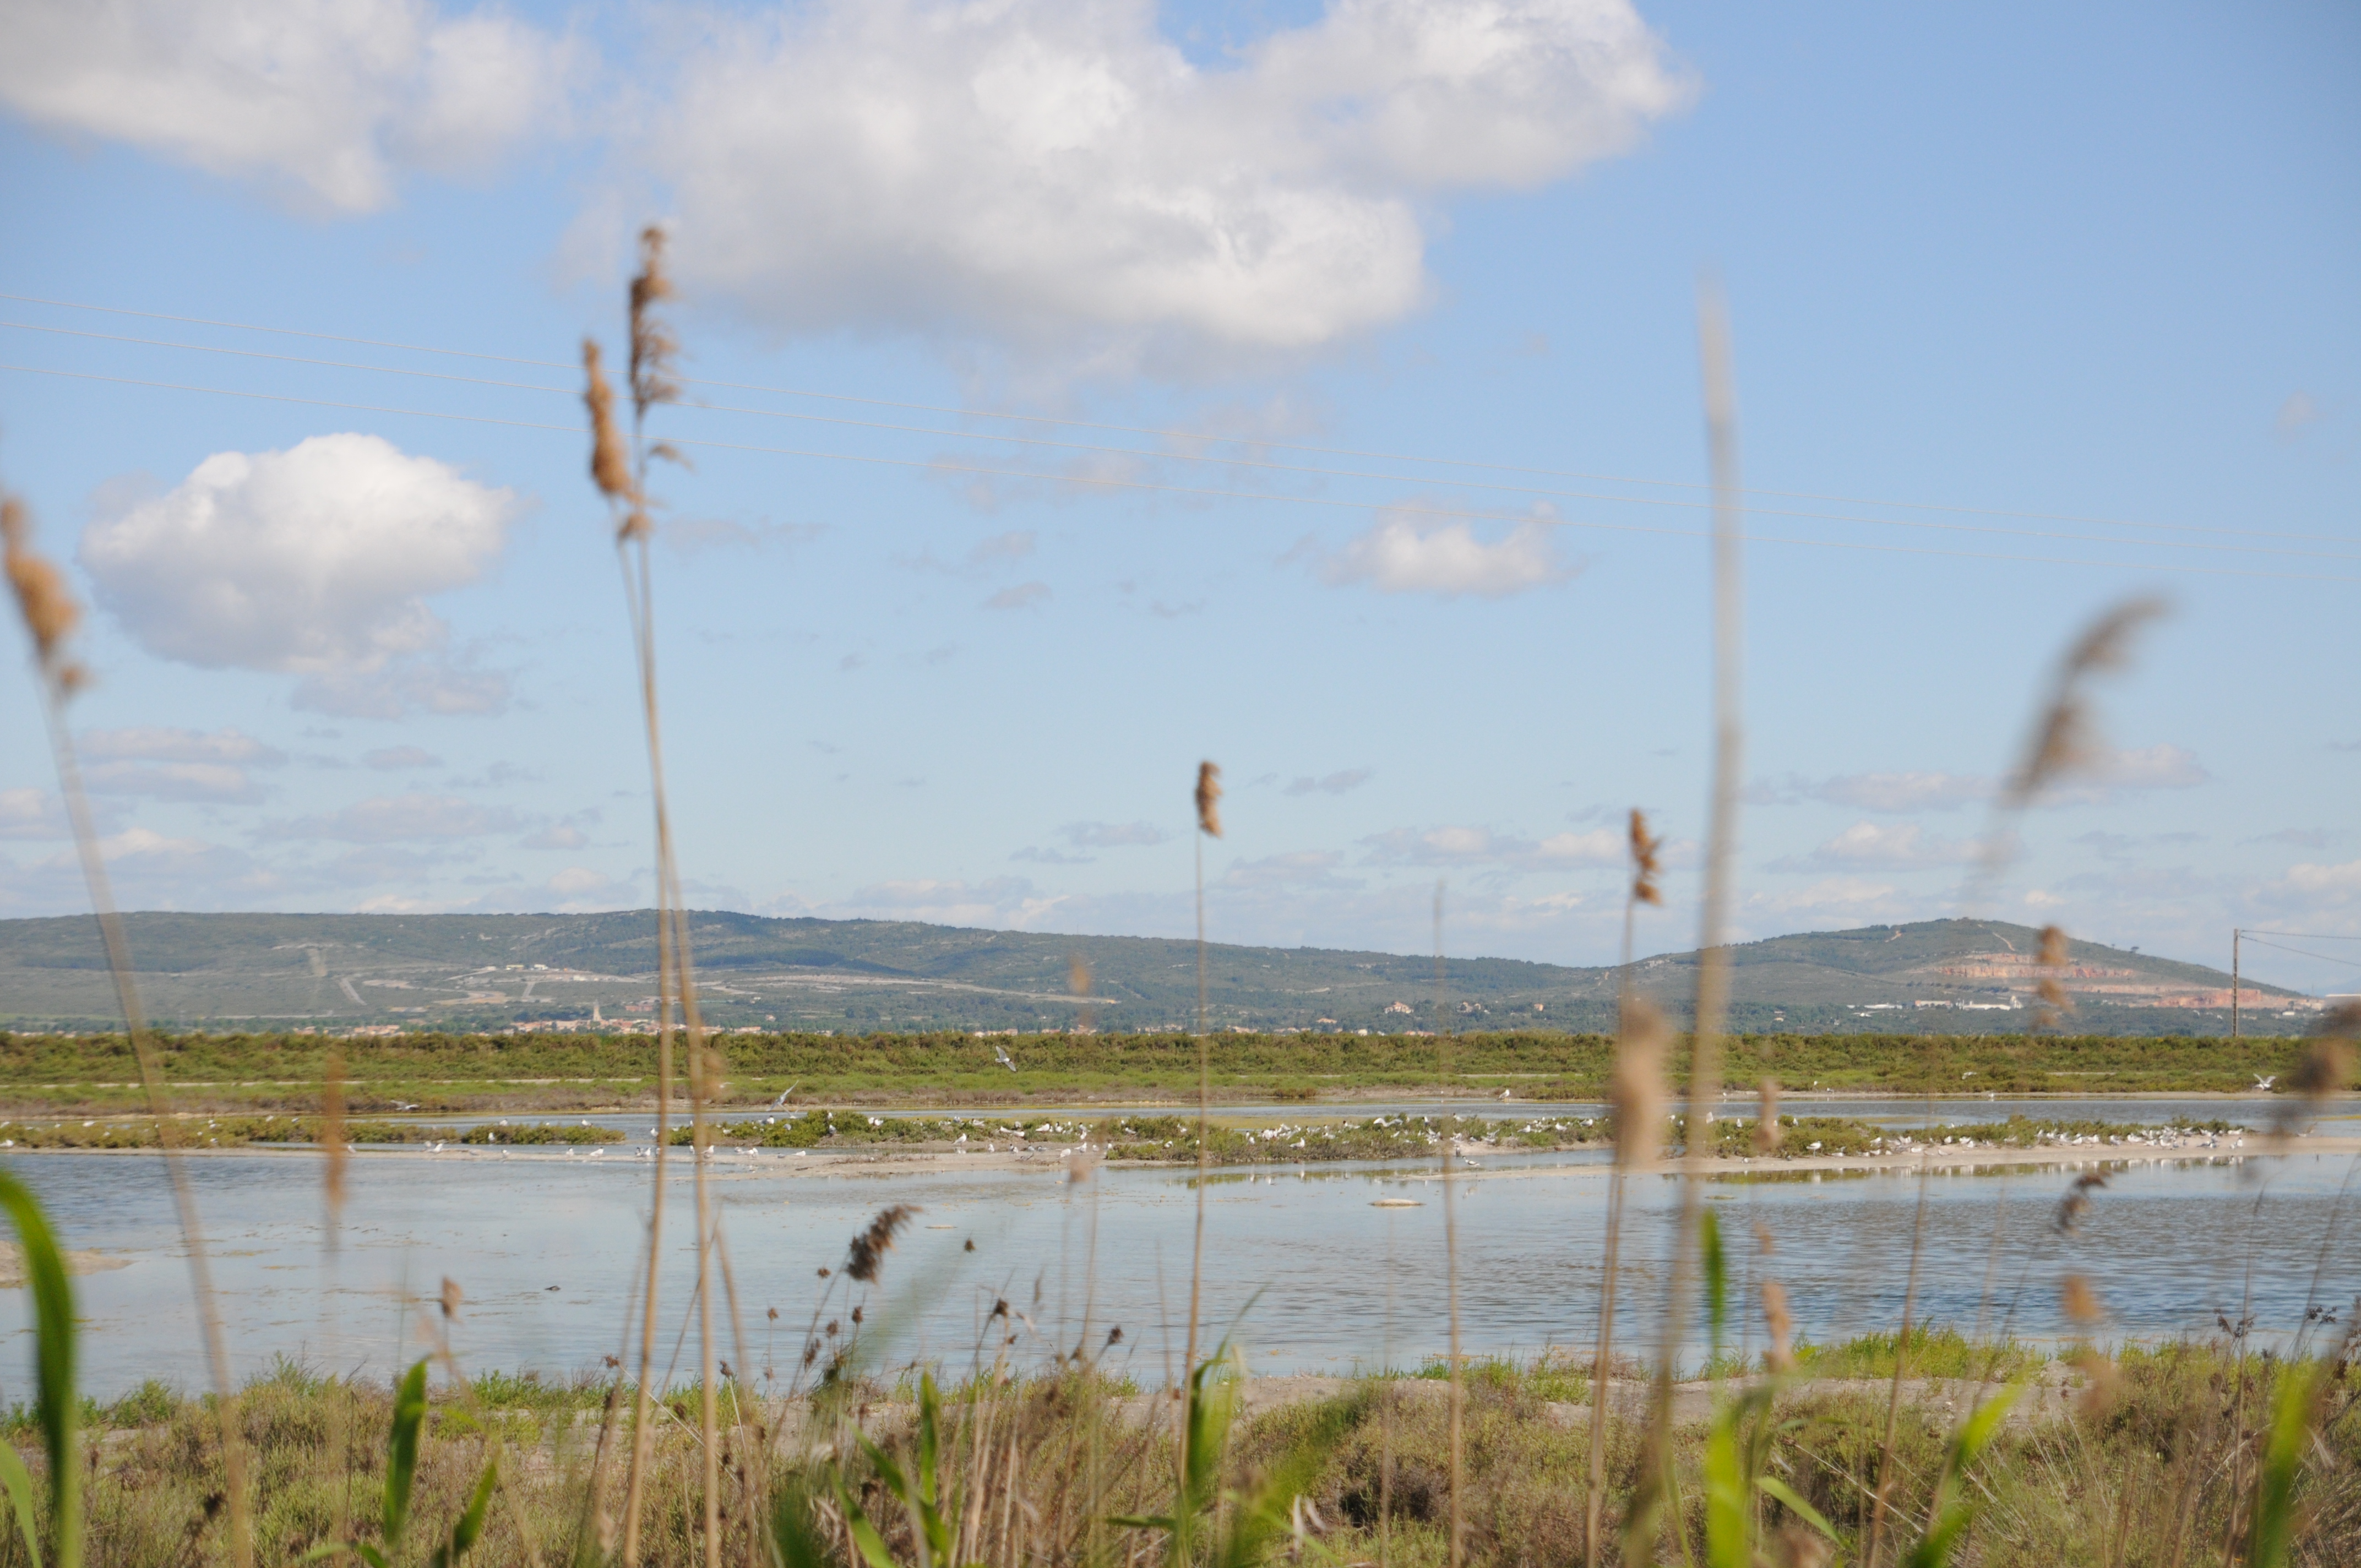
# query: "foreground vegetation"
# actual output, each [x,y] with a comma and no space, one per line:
[446,1074]
[2131,1460]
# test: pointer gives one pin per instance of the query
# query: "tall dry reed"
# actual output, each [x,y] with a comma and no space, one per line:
[621,474]
[1638,1104]
[1721,843]
[1208,799]
[51,614]
[1456,1418]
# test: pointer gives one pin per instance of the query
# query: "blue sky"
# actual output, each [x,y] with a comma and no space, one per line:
[1357,346]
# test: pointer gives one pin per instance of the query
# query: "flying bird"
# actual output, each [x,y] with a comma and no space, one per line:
[2265,1083]
[1000,1055]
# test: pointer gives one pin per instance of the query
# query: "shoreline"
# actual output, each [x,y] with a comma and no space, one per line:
[1056,1160]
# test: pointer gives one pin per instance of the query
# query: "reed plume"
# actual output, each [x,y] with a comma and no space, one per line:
[2065,737]
[1209,826]
[2055,1002]
[1637,1097]
[1780,1325]
[49,613]
[621,480]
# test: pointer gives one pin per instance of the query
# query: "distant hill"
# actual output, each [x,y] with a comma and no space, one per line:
[478,971]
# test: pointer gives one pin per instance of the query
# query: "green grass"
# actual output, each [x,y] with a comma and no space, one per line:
[443,1074]
[2052,1488]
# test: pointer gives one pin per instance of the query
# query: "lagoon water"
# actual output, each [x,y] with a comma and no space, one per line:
[1303,1266]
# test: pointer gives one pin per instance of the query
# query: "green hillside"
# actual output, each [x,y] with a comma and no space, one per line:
[477,972]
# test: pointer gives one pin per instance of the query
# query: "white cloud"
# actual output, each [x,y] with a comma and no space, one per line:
[2323,884]
[1022,597]
[1843,900]
[32,814]
[1904,791]
[1405,552]
[327,98]
[387,820]
[2153,767]
[1058,175]
[2160,766]
[1112,835]
[157,743]
[315,560]
[1300,869]
[1482,847]
[428,683]
[1899,846]
[172,781]
[172,763]
[558,836]
[1340,783]
[1009,903]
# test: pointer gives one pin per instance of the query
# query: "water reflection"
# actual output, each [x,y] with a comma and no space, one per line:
[546,1252]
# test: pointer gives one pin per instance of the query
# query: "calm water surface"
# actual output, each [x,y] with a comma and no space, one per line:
[1314,1275]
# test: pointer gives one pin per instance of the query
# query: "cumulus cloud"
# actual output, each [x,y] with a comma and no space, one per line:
[149,870]
[2319,886]
[1835,901]
[1023,595]
[315,560]
[1902,792]
[394,819]
[1008,902]
[172,781]
[1300,869]
[172,763]
[1340,783]
[1407,553]
[2153,767]
[1112,835]
[1897,846]
[1482,847]
[157,743]
[32,814]
[1054,175]
[326,98]
[557,836]
[428,683]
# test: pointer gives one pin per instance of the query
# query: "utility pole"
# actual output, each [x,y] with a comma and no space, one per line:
[2234,984]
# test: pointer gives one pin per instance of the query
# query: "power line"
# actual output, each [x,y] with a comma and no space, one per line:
[1189,435]
[1104,482]
[1307,469]
[2282,946]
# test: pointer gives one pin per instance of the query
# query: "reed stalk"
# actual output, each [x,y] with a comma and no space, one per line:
[623,480]
[51,614]
[1458,1414]
[1642,1100]
[1209,826]
[1713,967]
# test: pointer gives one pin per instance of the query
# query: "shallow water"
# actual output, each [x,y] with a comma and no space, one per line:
[1313,1276]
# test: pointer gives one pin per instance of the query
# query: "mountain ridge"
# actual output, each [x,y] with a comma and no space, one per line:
[481,972]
